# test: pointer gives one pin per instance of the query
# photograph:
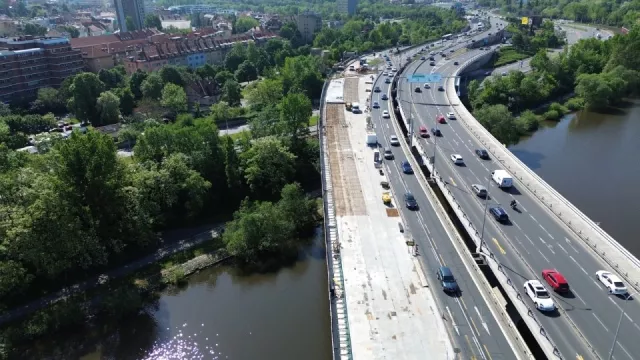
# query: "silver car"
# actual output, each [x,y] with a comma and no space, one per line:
[479,190]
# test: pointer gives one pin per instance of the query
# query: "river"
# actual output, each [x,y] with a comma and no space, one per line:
[591,159]
[222,314]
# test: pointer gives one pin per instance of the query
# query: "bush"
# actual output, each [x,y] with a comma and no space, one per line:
[575,104]
[173,276]
[559,108]
[552,115]
[528,122]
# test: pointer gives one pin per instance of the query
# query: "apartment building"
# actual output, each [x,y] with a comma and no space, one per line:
[133,9]
[347,6]
[308,24]
[28,64]
[188,51]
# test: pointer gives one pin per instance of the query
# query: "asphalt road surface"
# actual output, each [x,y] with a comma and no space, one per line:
[472,327]
[534,240]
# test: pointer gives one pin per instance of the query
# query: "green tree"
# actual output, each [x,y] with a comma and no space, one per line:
[594,89]
[171,74]
[152,87]
[268,166]
[135,83]
[295,112]
[244,24]
[127,101]
[246,72]
[48,100]
[85,90]
[499,122]
[34,29]
[174,97]
[222,77]
[108,105]
[71,30]
[298,207]
[131,26]
[232,93]
[301,73]
[236,56]
[152,21]
[262,93]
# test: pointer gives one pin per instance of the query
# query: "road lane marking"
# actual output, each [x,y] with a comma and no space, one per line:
[579,357]
[484,324]
[600,321]
[488,353]
[544,242]
[443,262]
[453,322]
[453,181]
[545,230]
[521,244]
[625,350]
[463,304]
[473,357]
[544,256]
[581,268]
[534,219]
[518,226]
[570,244]
[579,297]
[563,249]
[499,246]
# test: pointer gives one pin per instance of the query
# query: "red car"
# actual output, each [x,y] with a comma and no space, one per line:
[423,132]
[556,280]
[441,119]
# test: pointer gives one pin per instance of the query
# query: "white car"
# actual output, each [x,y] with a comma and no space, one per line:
[394,69]
[539,295]
[385,114]
[393,140]
[426,86]
[384,73]
[612,282]
[376,105]
[457,159]
[451,116]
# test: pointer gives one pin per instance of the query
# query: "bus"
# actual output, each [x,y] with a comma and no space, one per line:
[447,37]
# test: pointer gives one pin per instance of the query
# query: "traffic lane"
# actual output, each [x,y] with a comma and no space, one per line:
[534,221]
[597,303]
[517,270]
[424,232]
[473,323]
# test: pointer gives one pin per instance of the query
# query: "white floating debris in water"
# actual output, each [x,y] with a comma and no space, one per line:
[202,324]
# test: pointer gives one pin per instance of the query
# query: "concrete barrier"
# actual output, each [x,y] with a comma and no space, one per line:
[607,248]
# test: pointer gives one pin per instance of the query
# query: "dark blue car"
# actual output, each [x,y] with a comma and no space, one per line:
[447,281]
[406,167]
[499,214]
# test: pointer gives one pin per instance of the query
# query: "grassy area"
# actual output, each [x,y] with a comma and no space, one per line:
[509,55]
[314,120]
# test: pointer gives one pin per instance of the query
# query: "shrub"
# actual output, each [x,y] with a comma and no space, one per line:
[561,110]
[575,104]
[552,115]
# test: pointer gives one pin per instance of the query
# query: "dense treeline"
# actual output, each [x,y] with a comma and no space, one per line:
[609,12]
[602,74]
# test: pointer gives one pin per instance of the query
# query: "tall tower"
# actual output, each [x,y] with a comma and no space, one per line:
[347,6]
[133,9]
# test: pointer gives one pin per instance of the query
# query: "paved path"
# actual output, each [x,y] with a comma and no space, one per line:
[173,242]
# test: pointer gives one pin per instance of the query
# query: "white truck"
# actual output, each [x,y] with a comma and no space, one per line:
[372,139]
[502,178]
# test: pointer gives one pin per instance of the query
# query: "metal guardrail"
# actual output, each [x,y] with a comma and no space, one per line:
[579,223]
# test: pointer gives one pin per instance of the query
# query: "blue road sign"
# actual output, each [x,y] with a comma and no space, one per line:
[425,78]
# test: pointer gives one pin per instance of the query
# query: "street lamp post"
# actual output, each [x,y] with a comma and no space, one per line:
[435,149]
[615,337]
[484,216]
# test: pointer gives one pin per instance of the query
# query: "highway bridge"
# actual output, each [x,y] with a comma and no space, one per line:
[546,232]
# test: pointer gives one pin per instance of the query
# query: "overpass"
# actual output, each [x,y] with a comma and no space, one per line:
[546,232]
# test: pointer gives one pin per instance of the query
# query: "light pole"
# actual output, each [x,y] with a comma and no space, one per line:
[435,149]
[484,215]
[615,337]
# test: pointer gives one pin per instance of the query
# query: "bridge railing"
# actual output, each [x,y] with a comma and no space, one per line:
[614,254]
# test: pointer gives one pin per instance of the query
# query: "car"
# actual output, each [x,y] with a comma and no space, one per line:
[480,48]
[387,154]
[504,73]
[393,140]
[457,159]
[499,214]
[387,81]
[423,132]
[539,295]
[441,119]
[410,201]
[452,50]
[431,58]
[422,58]
[427,86]
[612,282]
[384,73]
[557,282]
[417,89]
[447,281]
[451,116]
[386,197]
[456,63]
[436,132]
[479,190]
[376,105]
[440,88]
[377,89]
[443,54]
[482,154]
[394,69]
[384,97]
[433,63]
[385,114]
[389,65]
[406,167]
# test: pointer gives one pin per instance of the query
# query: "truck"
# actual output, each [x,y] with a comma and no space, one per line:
[372,139]
[502,178]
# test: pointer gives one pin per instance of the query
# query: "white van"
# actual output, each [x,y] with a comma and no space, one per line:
[355,108]
[502,178]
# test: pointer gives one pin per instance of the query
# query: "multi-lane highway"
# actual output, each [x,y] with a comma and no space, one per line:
[473,329]
[534,240]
